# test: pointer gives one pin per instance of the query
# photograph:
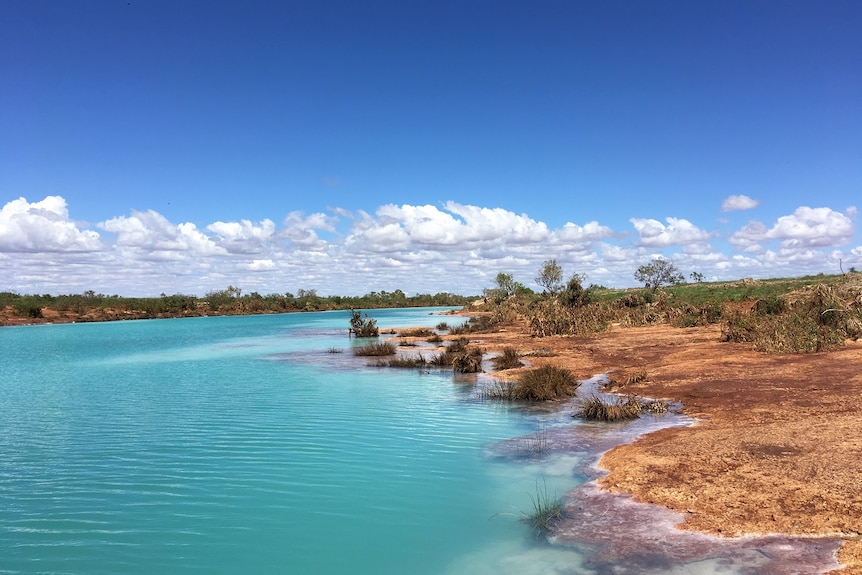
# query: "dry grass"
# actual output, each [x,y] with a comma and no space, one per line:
[416,332]
[468,361]
[617,409]
[374,349]
[546,383]
[412,362]
[508,359]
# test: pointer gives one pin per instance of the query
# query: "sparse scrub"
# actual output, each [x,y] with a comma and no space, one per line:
[508,359]
[406,343]
[375,349]
[442,326]
[434,339]
[334,350]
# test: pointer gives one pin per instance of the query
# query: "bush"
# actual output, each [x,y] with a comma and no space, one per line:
[509,359]
[617,409]
[468,361]
[541,384]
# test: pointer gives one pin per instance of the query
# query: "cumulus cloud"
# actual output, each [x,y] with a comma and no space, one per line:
[43,226]
[678,231]
[243,237]
[804,228]
[428,248]
[302,230]
[150,232]
[738,202]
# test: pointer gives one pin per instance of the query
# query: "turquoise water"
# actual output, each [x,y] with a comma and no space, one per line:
[243,445]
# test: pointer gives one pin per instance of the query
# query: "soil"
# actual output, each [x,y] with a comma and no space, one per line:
[777,447]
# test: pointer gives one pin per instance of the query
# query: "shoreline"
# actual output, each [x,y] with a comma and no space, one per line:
[776,447]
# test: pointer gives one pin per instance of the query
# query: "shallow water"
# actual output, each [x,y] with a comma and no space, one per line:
[242,444]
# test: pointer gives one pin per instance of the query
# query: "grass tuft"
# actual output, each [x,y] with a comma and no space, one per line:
[508,359]
[547,510]
[375,349]
[544,383]
[617,409]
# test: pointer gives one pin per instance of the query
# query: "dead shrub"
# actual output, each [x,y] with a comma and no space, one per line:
[469,361]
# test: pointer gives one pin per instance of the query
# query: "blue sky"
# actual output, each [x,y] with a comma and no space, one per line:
[348,147]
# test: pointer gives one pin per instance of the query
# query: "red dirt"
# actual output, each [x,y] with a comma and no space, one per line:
[778,443]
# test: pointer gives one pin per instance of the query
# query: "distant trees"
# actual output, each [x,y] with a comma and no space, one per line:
[658,273]
[697,277]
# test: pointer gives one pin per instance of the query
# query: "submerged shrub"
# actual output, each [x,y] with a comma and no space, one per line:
[375,349]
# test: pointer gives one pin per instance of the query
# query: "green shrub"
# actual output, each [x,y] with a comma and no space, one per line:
[363,326]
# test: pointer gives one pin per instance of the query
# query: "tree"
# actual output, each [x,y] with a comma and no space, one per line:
[506,284]
[574,295]
[550,276]
[696,277]
[658,273]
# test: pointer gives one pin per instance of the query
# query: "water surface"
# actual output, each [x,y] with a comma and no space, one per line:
[244,445]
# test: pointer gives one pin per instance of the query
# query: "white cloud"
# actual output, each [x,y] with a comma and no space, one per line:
[416,248]
[652,233]
[243,237]
[805,228]
[151,233]
[43,227]
[852,212]
[739,202]
[813,227]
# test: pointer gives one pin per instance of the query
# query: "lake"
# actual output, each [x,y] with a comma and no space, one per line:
[260,444]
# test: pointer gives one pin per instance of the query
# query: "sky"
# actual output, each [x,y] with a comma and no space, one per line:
[181,146]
